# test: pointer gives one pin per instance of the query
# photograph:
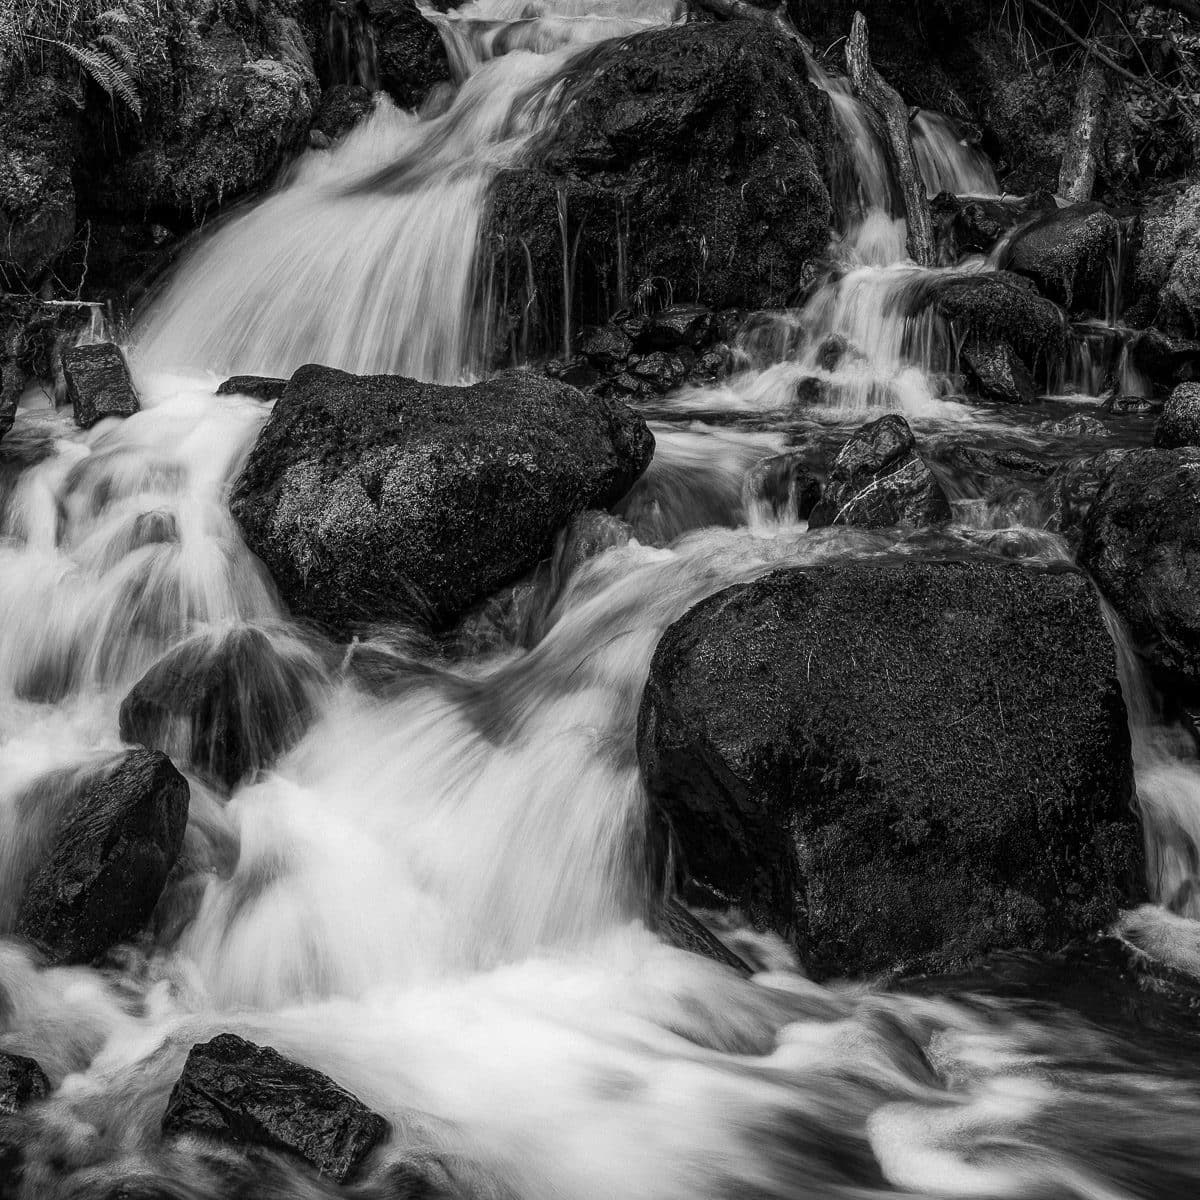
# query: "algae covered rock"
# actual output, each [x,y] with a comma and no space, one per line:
[380,498]
[898,765]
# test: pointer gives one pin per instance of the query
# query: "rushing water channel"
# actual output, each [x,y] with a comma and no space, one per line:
[436,896]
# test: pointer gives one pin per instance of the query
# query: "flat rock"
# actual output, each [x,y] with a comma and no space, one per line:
[235,1091]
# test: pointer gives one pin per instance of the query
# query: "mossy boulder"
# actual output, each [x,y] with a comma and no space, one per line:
[380,498]
[689,167]
[1167,267]
[1141,543]
[899,765]
[410,55]
[1179,423]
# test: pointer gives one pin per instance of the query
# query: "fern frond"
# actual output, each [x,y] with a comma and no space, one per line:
[123,52]
[105,71]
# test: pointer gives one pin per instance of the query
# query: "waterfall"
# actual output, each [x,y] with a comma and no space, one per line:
[366,257]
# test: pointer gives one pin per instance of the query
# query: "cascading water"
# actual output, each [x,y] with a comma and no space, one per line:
[436,896]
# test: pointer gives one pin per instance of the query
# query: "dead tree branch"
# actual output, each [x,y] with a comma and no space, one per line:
[886,103]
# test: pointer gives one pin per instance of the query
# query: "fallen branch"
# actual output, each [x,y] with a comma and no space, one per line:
[889,107]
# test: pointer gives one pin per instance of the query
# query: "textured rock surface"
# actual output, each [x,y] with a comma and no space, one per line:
[22,1081]
[410,54]
[236,1091]
[1071,492]
[98,383]
[1065,253]
[1179,424]
[261,387]
[743,232]
[223,706]
[109,862]
[1142,545]
[879,479]
[996,372]
[898,765]
[378,498]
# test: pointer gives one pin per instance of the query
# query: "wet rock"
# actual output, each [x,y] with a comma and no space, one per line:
[744,232]
[1072,491]
[235,1091]
[38,138]
[1003,460]
[410,52]
[1179,424]
[1066,253]
[1164,360]
[342,107]
[898,765]
[223,706]
[1141,544]
[1126,406]
[259,387]
[33,335]
[996,372]
[606,347]
[379,498]
[22,1082]
[1167,268]
[1079,425]
[784,484]
[110,860]
[98,383]
[996,307]
[879,479]
[974,225]
[660,370]
[676,326]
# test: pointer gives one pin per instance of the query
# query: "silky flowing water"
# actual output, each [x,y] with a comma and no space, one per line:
[438,897]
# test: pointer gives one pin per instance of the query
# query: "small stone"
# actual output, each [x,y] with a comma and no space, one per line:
[259,387]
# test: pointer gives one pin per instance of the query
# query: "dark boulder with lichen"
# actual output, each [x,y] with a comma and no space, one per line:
[234,1091]
[880,479]
[644,225]
[1141,542]
[380,498]
[109,860]
[899,765]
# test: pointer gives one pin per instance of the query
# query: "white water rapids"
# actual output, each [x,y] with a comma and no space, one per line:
[437,896]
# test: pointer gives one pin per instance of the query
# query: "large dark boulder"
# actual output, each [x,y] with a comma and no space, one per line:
[988,309]
[109,861]
[1179,423]
[223,705]
[1141,543]
[879,479]
[642,220]
[410,55]
[98,383]
[1067,253]
[380,498]
[899,764]
[235,1091]
[996,372]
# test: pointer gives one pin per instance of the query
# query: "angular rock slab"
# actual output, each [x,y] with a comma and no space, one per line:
[98,383]
[380,498]
[110,860]
[898,766]
[879,479]
[250,1095]
[1141,543]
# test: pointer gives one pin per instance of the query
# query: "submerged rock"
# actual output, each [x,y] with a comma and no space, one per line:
[224,706]
[1142,545]
[379,498]
[22,1081]
[1072,492]
[643,221]
[997,373]
[236,1091]
[260,387]
[879,479]
[1066,253]
[110,860]
[897,765]
[98,383]
[1179,424]
[785,486]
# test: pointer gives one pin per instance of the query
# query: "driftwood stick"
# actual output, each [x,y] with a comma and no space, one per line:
[883,99]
